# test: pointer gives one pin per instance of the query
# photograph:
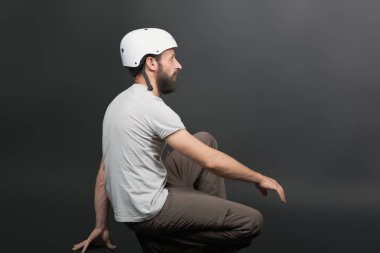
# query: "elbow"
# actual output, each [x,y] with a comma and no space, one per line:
[207,165]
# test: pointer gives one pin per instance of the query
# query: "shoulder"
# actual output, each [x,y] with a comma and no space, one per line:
[159,109]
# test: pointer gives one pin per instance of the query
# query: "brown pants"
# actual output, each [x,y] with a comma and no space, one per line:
[196,211]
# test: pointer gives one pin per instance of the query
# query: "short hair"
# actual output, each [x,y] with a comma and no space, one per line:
[134,71]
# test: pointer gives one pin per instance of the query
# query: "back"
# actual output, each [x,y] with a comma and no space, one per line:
[134,128]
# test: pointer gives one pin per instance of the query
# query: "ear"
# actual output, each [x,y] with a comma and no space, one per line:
[151,64]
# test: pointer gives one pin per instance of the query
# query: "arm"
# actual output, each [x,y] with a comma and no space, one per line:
[220,163]
[100,200]
[100,234]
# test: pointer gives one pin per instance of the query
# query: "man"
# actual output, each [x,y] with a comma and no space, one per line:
[179,202]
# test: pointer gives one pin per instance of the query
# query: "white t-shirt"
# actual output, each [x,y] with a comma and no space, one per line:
[134,127]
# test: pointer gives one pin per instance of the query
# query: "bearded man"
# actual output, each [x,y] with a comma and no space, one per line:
[175,202]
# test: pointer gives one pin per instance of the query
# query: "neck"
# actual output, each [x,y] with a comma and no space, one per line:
[140,79]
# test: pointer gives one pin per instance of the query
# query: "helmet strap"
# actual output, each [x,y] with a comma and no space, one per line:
[147,79]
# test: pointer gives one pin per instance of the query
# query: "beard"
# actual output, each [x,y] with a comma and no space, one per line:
[165,83]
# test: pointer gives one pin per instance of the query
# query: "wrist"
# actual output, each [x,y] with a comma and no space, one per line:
[259,177]
[101,225]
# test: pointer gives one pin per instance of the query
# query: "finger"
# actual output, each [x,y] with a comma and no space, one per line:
[281,194]
[85,246]
[110,245]
[78,245]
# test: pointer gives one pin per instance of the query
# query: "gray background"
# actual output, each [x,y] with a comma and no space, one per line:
[289,88]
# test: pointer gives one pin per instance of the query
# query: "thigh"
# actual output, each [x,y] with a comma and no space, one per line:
[193,218]
[199,219]
[187,210]
[182,171]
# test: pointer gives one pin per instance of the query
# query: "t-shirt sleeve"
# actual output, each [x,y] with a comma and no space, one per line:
[163,120]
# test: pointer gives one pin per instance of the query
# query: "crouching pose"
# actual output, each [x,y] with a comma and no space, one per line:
[174,201]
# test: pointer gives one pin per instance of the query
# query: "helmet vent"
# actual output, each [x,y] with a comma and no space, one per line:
[122,50]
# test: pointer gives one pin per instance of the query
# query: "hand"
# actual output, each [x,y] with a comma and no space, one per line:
[99,237]
[267,183]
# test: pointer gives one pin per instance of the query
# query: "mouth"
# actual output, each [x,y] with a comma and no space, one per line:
[175,75]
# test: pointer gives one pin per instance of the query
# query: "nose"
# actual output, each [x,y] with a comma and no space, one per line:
[178,65]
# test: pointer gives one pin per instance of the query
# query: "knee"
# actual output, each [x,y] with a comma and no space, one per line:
[253,226]
[207,138]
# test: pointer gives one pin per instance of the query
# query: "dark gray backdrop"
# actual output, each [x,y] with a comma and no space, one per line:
[289,88]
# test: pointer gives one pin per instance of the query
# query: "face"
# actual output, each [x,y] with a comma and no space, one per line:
[167,72]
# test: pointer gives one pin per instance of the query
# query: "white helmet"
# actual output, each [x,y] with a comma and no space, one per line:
[138,43]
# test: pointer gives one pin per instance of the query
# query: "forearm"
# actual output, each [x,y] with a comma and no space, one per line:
[225,166]
[100,199]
